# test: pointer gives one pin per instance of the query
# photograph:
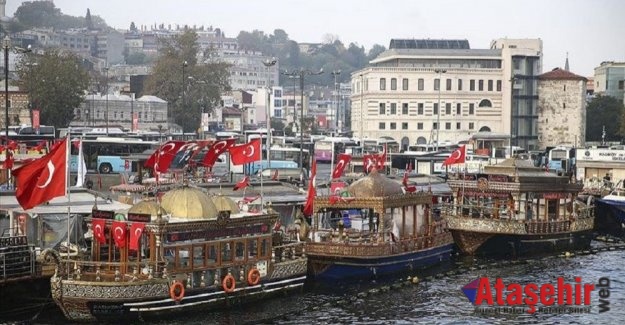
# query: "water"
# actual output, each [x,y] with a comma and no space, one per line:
[438,301]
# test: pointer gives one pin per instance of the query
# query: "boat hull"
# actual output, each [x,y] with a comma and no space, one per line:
[150,300]
[341,268]
[610,216]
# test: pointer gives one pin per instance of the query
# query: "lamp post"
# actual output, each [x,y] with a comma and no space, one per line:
[438,116]
[173,113]
[132,112]
[268,64]
[6,44]
[301,74]
[362,120]
[336,73]
[106,71]
[31,103]
[512,109]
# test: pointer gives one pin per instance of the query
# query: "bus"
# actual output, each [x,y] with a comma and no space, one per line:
[323,148]
[281,158]
[106,154]
[561,159]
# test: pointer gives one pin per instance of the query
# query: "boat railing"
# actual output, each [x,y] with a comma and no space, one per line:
[17,261]
[109,271]
[484,212]
[289,251]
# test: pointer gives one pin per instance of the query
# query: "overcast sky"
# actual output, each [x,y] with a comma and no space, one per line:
[590,31]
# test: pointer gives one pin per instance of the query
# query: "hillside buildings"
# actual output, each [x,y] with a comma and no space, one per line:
[609,80]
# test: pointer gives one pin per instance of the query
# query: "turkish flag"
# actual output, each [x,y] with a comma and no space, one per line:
[136,230]
[187,151]
[343,160]
[456,157]
[312,191]
[12,145]
[163,156]
[381,158]
[118,229]
[42,179]
[40,146]
[98,225]
[410,189]
[245,153]
[243,183]
[215,151]
[369,162]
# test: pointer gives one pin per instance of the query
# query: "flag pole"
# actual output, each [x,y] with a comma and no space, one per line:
[332,161]
[67,182]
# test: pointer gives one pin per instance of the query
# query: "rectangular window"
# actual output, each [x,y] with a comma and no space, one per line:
[458,109]
[382,126]
[472,85]
[437,84]
[471,125]
[471,109]
[393,84]
[419,126]
[498,85]
[404,108]
[382,108]
[435,126]
[490,85]
[404,84]
[448,126]
[480,86]
[404,126]
[393,108]
[393,126]
[420,109]
[621,84]
[459,84]
[435,109]
[448,84]
[457,125]
[447,108]
[382,83]
[421,84]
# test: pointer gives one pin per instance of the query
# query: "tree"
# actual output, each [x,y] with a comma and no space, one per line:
[203,83]
[56,82]
[88,20]
[608,112]
[133,27]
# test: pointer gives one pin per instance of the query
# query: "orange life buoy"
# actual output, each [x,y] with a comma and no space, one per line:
[176,291]
[228,283]
[253,277]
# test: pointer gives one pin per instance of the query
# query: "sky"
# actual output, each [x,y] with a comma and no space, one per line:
[589,31]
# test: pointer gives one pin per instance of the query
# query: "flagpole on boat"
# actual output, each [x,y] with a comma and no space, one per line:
[332,161]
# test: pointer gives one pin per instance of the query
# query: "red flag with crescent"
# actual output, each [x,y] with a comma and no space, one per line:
[118,229]
[456,157]
[243,183]
[42,179]
[343,160]
[312,191]
[97,225]
[369,161]
[136,230]
[163,156]
[215,151]
[245,153]
[381,158]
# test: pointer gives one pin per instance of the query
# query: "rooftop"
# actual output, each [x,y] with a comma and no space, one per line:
[560,74]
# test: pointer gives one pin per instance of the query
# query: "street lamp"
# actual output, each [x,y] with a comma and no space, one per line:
[106,71]
[268,64]
[438,116]
[336,73]
[31,103]
[362,120]
[173,113]
[512,109]
[301,74]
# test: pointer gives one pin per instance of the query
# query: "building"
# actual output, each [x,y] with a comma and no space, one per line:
[248,72]
[610,80]
[399,94]
[561,109]
[18,108]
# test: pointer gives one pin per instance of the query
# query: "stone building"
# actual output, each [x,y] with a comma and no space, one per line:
[561,109]
[18,107]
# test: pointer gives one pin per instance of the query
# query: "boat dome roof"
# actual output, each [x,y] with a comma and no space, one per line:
[189,204]
[224,203]
[150,207]
[374,185]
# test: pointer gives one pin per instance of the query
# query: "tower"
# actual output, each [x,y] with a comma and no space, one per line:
[2,5]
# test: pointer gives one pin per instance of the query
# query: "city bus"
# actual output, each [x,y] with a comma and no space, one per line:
[106,154]
[281,158]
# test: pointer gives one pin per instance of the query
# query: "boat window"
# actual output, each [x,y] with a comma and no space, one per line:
[252,248]
[226,252]
[552,209]
[182,261]
[198,256]
[264,247]
[239,251]
[212,256]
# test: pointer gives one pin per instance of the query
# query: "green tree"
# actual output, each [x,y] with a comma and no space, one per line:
[133,27]
[44,14]
[203,83]
[608,112]
[88,20]
[57,82]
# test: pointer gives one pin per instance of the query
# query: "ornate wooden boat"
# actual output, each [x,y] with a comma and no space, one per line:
[375,230]
[189,254]
[516,208]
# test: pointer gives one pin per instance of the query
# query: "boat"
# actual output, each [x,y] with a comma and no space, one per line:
[192,253]
[611,211]
[374,229]
[514,208]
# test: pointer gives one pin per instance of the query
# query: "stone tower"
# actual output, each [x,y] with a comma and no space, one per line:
[2,8]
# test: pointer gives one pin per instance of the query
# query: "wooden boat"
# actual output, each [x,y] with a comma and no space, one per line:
[391,231]
[193,253]
[516,208]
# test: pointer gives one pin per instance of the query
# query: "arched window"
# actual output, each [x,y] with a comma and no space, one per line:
[485,103]
[421,140]
[405,142]
[484,129]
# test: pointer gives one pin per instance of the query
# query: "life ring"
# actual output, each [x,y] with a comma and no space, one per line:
[228,283]
[253,277]
[176,291]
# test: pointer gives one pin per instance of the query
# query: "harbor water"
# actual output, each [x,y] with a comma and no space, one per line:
[436,299]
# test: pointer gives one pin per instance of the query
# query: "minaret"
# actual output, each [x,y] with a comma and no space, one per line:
[2,5]
[566,63]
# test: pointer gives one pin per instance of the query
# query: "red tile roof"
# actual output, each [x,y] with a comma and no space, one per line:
[560,74]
